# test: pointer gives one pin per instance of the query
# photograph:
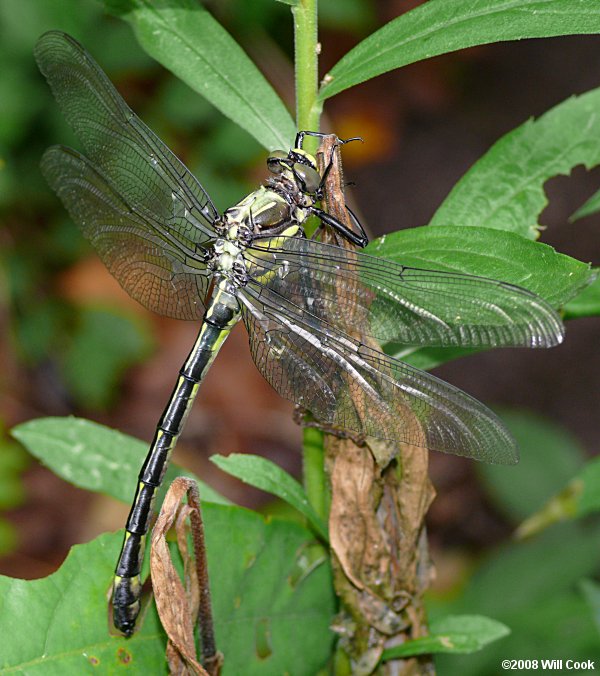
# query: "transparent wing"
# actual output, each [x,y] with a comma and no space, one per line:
[350,385]
[163,272]
[394,303]
[131,158]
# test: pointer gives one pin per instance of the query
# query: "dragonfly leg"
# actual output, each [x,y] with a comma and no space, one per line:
[303,418]
[338,142]
[317,134]
[359,225]
[359,239]
[301,134]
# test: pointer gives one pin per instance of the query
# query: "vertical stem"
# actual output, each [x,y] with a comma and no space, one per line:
[308,112]
[306,48]
[315,482]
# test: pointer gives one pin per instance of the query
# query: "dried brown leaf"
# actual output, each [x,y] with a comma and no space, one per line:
[179,606]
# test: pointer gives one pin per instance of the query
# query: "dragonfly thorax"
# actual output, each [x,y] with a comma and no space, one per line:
[266,212]
[280,206]
[227,260]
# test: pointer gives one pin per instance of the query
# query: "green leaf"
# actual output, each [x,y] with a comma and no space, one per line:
[488,253]
[188,41]
[587,303]
[427,358]
[451,634]
[183,108]
[95,457]
[513,578]
[438,27]
[590,207]
[13,462]
[67,620]
[266,475]
[560,622]
[549,458]
[505,188]
[273,603]
[20,100]
[104,345]
[531,587]
[485,252]
[588,489]
[579,498]
[263,590]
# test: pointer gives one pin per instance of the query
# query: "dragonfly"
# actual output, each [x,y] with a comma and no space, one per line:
[311,309]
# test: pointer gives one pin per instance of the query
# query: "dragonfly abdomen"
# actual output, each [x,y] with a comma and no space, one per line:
[222,314]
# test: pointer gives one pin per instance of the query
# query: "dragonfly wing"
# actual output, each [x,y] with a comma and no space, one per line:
[130,157]
[164,273]
[348,384]
[395,303]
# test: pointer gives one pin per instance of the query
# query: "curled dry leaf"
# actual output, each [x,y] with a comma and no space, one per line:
[180,607]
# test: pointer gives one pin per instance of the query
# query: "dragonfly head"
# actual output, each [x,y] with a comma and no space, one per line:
[298,166]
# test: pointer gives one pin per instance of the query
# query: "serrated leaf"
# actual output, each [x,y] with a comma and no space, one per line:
[505,188]
[485,252]
[264,595]
[266,475]
[452,634]
[439,26]
[587,303]
[187,40]
[488,253]
[95,457]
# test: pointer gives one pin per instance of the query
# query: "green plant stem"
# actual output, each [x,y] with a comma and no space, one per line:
[306,48]
[314,480]
[308,111]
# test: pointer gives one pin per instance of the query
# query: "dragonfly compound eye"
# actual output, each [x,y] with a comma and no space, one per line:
[309,177]
[274,161]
